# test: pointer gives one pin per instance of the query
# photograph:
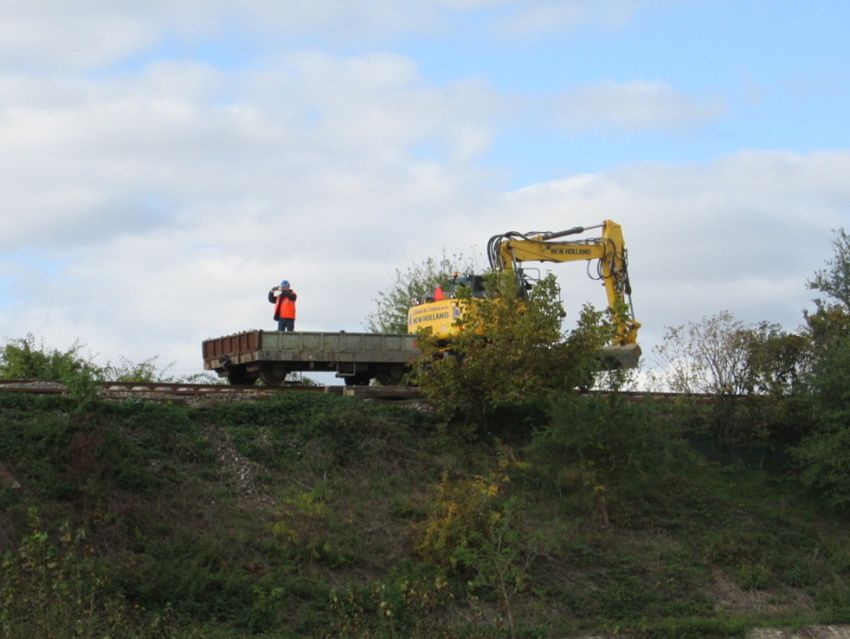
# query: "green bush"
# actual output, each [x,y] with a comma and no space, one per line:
[824,458]
[56,589]
[410,601]
[824,455]
[606,447]
[473,530]
[508,350]
[24,359]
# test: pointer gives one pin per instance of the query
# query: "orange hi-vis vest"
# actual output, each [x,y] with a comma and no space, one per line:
[285,308]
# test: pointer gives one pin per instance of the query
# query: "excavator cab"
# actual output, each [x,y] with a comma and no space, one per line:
[474,283]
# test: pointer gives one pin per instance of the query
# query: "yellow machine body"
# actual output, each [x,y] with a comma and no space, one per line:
[440,316]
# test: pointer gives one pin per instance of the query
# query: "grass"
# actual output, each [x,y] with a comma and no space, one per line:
[319,516]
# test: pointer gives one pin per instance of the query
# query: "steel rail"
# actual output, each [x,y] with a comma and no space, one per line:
[171,390]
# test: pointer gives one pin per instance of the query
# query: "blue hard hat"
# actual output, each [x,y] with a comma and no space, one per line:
[284,283]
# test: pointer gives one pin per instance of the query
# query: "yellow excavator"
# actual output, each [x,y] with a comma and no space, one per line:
[440,312]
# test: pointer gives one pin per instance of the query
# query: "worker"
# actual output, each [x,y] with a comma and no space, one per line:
[438,293]
[283,298]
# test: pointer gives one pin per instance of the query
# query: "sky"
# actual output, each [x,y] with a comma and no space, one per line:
[163,164]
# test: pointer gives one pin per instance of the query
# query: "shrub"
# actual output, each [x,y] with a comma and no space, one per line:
[756,372]
[301,527]
[508,349]
[24,359]
[825,463]
[54,589]
[824,455]
[473,530]
[604,446]
[404,604]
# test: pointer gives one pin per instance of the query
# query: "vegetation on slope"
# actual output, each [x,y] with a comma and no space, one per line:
[311,515]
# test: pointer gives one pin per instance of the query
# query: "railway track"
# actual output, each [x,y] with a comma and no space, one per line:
[181,391]
[159,391]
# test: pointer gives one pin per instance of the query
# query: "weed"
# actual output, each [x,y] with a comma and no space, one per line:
[56,589]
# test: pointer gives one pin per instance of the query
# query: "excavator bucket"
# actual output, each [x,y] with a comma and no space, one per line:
[624,356]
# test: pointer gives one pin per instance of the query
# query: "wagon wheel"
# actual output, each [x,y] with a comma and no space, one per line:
[271,377]
[359,379]
[238,376]
[390,377]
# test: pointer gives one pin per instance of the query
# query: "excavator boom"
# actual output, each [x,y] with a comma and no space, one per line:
[510,250]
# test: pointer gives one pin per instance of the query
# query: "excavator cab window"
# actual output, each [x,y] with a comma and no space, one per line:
[474,283]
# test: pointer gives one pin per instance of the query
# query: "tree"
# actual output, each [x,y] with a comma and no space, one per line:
[722,356]
[834,280]
[777,360]
[509,349]
[824,455]
[417,282]
[21,359]
[831,318]
[709,356]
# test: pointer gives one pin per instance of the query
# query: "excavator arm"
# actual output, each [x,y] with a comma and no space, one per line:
[510,250]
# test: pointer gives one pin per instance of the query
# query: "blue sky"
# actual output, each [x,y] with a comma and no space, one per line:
[777,72]
[189,155]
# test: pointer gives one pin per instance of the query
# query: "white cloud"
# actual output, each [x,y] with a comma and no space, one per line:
[98,33]
[546,17]
[167,203]
[632,106]
[319,137]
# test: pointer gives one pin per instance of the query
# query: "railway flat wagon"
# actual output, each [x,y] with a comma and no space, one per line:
[270,355]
